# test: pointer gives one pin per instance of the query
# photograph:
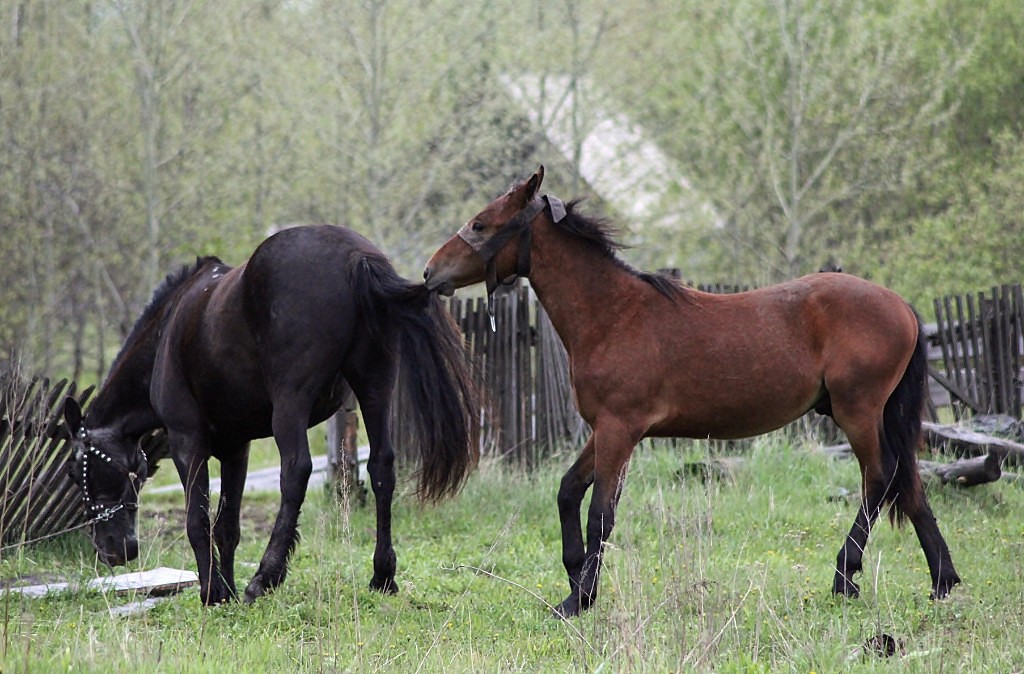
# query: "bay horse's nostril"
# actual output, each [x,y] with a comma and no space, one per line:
[426,273]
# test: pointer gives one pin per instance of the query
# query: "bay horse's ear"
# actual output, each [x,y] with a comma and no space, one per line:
[533,184]
[72,415]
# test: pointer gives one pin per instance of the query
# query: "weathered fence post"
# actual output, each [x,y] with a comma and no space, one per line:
[343,452]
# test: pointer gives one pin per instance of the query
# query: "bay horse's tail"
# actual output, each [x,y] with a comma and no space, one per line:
[901,435]
[434,373]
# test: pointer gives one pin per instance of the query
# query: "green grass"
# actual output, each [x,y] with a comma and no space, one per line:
[730,576]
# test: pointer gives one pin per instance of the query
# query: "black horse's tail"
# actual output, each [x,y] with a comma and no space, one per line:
[435,377]
[901,435]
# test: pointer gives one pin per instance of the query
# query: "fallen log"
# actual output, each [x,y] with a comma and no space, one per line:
[964,442]
[721,468]
[984,458]
[968,472]
[965,472]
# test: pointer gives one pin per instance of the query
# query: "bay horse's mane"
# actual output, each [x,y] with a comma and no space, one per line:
[164,291]
[602,235]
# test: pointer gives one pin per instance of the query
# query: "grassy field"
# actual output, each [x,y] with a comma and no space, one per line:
[730,576]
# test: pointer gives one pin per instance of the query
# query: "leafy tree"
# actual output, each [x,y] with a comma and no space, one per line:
[800,120]
[977,242]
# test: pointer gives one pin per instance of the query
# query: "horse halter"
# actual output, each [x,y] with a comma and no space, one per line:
[488,247]
[103,511]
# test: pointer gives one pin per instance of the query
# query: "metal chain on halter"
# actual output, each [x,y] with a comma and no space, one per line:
[15,546]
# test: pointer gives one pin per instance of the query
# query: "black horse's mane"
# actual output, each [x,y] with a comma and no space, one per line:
[601,235]
[164,291]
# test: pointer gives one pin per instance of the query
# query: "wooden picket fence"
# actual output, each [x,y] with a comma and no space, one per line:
[981,341]
[523,370]
[37,494]
[38,498]
[523,367]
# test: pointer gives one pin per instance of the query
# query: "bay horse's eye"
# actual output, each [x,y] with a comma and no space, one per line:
[478,227]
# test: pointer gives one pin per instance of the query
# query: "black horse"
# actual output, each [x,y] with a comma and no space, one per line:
[224,355]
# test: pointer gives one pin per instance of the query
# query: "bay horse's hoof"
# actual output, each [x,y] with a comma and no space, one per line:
[386,586]
[843,586]
[943,586]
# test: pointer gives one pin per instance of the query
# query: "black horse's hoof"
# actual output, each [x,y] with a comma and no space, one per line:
[844,587]
[943,586]
[255,590]
[216,594]
[571,607]
[386,586]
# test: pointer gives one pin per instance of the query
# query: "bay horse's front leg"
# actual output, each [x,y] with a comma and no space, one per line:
[289,424]
[574,486]
[608,450]
[195,478]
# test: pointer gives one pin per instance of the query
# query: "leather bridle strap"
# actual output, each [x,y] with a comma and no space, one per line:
[102,511]
[488,247]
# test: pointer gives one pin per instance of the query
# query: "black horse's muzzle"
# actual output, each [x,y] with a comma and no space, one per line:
[114,553]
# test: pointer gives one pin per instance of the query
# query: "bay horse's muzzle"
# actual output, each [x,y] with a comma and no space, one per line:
[443,287]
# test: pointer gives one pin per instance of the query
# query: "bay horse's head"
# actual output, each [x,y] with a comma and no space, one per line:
[493,245]
[110,470]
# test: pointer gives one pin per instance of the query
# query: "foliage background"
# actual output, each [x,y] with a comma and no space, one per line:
[136,135]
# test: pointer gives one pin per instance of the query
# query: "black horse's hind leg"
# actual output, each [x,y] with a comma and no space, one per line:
[374,394]
[226,529]
[289,424]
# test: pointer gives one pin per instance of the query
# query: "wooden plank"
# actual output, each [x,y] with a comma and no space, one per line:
[951,357]
[1017,337]
[1002,339]
[527,355]
[978,365]
[156,582]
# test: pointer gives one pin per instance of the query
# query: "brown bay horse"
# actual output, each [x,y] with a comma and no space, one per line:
[652,358]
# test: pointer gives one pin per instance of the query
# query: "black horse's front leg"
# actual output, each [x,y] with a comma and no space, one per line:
[195,479]
[226,533]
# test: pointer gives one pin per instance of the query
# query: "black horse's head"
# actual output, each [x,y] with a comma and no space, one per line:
[110,470]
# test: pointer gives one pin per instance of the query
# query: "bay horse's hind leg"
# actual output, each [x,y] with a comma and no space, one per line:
[885,480]
[940,564]
[873,490]
[291,414]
